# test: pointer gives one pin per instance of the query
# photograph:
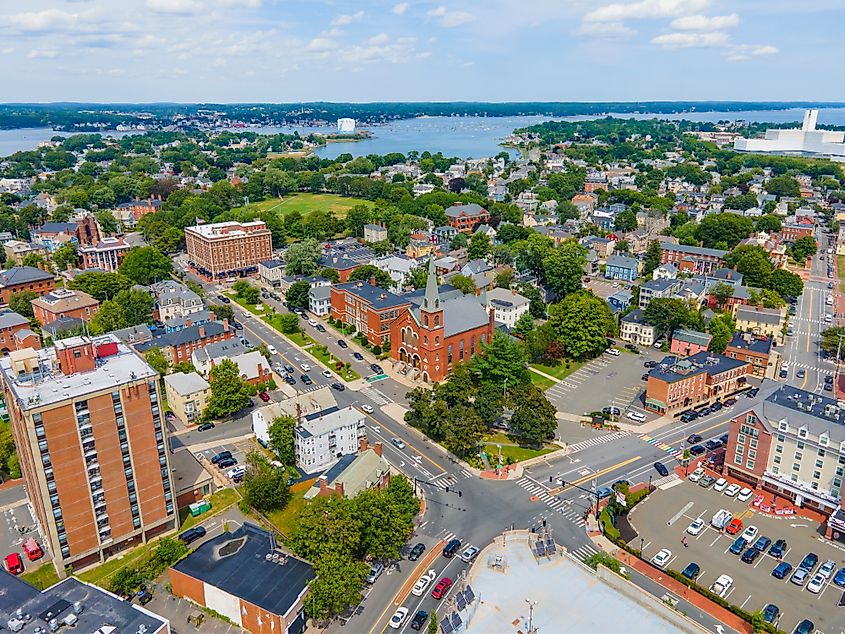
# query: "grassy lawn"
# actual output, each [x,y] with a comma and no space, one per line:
[255,309]
[305,204]
[559,371]
[540,381]
[314,348]
[284,520]
[101,574]
[220,500]
[511,448]
[840,271]
[328,360]
[42,577]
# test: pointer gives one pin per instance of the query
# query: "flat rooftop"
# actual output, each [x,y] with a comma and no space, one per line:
[46,385]
[230,229]
[100,610]
[569,596]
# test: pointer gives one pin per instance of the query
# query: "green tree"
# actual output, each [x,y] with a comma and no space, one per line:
[246,292]
[504,279]
[831,338]
[783,186]
[109,317]
[356,218]
[364,273]
[721,327]
[765,296]
[282,435]
[463,283]
[534,417]
[222,311]
[488,403]
[155,357]
[185,367]
[137,306]
[66,256]
[327,526]
[297,295]
[666,314]
[479,246]
[502,362]
[301,258]
[460,241]
[265,486]
[337,585]
[463,430]
[100,285]
[537,305]
[721,292]
[289,323]
[107,223]
[625,221]
[785,284]
[725,229]
[563,268]
[581,322]
[330,274]
[384,528]
[803,249]
[754,264]
[145,265]
[524,324]
[652,258]
[229,392]
[769,223]
[21,302]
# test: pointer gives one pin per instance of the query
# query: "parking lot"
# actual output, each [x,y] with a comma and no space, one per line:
[612,381]
[604,288]
[661,522]
[239,452]
[17,525]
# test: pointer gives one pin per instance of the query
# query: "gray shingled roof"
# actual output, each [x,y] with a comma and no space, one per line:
[23,275]
[760,315]
[472,209]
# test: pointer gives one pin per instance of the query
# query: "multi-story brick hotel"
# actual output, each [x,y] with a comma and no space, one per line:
[88,427]
[228,248]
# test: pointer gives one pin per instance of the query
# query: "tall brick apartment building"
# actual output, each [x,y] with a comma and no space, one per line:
[87,423]
[228,248]
[24,278]
[367,308]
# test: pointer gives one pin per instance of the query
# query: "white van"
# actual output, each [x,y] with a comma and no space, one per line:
[235,472]
[721,519]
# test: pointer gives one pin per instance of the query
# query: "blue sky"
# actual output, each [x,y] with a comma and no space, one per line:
[415,50]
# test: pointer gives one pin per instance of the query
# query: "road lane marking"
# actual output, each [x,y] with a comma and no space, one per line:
[597,474]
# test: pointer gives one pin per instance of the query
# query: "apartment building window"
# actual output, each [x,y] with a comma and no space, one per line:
[817,475]
[820,464]
[821,453]
[749,464]
[778,448]
[752,454]
[776,460]
[800,444]
[802,433]
[738,459]
[796,466]
[798,455]
[780,437]
[740,439]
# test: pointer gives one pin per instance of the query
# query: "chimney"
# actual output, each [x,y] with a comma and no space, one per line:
[378,449]
[225,325]
[211,315]
[202,332]
[323,481]
[372,280]
[338,488]
[363,445]
[493,318]
[189,323]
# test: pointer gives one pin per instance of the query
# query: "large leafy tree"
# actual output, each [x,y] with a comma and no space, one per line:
[537,305]
[21,302]
[100,285]
[246,292]
[833,341]
[301,258]
[463,284]
[783,186]
[754,264]
[416,277]
[652,258]
[110,316]
[785,284]
[326,526]
[282,439]
[384,529]
[625,221]
[581,322]
[721,292]
[297,295]
[364,273]
[721,328]
[479,246]
[155,357]
[145,265]
[463,431]
[803,249]
[137,306]
[534,416]
[265,486]
[666,314]
[66,256]
[564,266]
[725,230]
[502,362]
[229,392]
[337,585]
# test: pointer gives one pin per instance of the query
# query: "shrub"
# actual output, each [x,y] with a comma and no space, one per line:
[376,350]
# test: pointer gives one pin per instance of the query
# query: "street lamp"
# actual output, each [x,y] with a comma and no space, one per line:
[531,605]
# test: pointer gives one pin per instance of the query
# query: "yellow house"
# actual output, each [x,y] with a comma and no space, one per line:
[761,321]
[187,395]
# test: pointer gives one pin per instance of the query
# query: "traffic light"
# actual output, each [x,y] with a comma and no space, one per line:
[544,522]
[551,479]
[447,489]
[460,494]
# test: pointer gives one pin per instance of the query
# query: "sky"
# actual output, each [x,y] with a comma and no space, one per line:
[228,51]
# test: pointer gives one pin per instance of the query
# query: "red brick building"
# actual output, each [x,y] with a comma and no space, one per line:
[16,333]
[64,303]
[792,232]
[178,346]
[692,259]
[437,334]
[367,308]
[227,249]
[24,278]
[140,208]
[466,218]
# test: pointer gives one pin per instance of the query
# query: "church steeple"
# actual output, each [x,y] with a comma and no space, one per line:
[431,300]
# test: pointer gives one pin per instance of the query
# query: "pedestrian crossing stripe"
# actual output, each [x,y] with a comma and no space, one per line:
[676,453]
[592,442]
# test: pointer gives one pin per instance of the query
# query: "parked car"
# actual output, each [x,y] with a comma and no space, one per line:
[398,618]
[809,562]
[734,526]
[610,410]
[805,627]
[225,463]
[697,450]
[662,558]
[290,380]
[730,402]
[650,364]
[441,588]
[827,568]
[205,427]
[799,577]
[635,416]
[644,377]
[603,492]
[762,543]
[416,551]
[342,343]
[632,348]
[423,583]
[721,485]
[750,533]
[692,571]
[264,397]
[612,352]
[704,411]
[715,407]
[288,368]
[419,619]
[781,570]
[14,563]
[706,481]
[320,328]
[750,555]
[744,494]
[661,469]
[32,550]
[721,518]
[375,367]
[816,584]
[839,578]
[778,549]
[375,572]
[327,373]
[693,439]
[220,456]
[722,585]
[738,546]
[696,475]
[771,613]
[696,526]
[358,356]
[192,534]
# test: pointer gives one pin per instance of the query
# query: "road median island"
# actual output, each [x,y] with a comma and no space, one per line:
[423,565]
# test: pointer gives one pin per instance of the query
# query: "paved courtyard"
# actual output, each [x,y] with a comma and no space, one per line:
[663,518]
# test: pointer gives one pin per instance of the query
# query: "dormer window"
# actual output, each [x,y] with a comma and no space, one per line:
[783,426]
[802,433]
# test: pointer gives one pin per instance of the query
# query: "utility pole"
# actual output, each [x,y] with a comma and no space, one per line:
[531,628]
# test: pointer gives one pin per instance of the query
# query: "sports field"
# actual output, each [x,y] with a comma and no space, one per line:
[306,203]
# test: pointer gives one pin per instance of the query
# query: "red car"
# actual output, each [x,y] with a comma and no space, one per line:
[14,564]
[735,526]
[441,588]
[264,396]
[32,549]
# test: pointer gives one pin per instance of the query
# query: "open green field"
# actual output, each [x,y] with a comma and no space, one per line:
[284,520]
[540,381]
[559,371]
[511,448]
[220,501]
[42,577]
[840,271]
[305,204]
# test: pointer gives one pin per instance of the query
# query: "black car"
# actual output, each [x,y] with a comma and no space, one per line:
[694,438]
[288,369]
[418,620]
[220,456]
[644,377]
[226,462]
[661,469]
[697,450]
[805,627]
[451,549]
[778,549]
[723,439]
[753,392]
[224,299]
[375,367]
[321,328]
[632,348]
[290,380]
[750,555]
[809,562]
[205,427]
[620,483]
[192,534]
[649,364]
[828,387]
[338,386]
[715,407]
[691,571]
[306,379]
[711,445]
[342,343]
[771,613]
[237,325]
[416,551]
[704,411]
[144,597]
[358,356]
[274,296]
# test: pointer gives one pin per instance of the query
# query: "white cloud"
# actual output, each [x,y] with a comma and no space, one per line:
[705,23]
[42,54]
[400,9]
[176,7]
[343,20]
[379,39]
[713,39]
[451,19]
[645,9]
[42,21]
[605,29]
[247,4]
[747,51]
[321,44]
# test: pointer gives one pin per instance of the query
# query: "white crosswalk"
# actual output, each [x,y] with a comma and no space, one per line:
[597,440]
[584,552]
[447,481]
[562,506]
[376,396]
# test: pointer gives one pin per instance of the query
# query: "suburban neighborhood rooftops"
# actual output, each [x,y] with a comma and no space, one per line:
[668,246]
[622,261]
[758,314]
[505,297]
[376,296]
[186,383]
[472,209]
[57,227]
[10,319]
[272,264]
[319,423]
[659,285]
[752,343]
[673,369]
[237,564]
[692,336]
[23,275]
[184,336]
